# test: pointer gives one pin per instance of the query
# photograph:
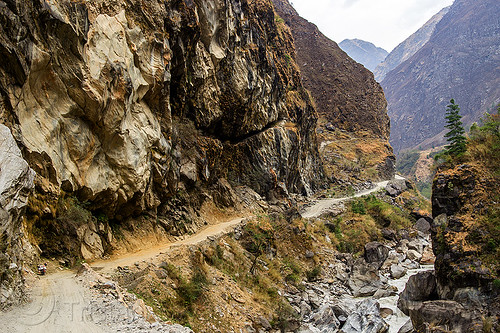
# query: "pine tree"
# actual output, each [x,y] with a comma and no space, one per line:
[455,136]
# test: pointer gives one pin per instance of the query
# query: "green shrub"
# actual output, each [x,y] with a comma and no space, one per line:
[358,207]
[313,274]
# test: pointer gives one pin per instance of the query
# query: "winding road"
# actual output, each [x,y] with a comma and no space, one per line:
[59,303]
[324,204]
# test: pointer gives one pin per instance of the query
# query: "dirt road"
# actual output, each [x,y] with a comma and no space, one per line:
[59,304]
[109,265]
[321,205]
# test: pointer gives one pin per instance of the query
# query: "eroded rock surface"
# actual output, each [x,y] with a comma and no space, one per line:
[16,184]
[120,102]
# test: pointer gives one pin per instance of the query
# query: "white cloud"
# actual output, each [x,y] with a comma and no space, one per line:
[385,23]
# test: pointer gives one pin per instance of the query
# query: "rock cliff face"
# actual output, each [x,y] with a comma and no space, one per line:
[364,52]
[409,47]
[16,183]
[465,240]
[121,102]
[346,95]
[459,61]
[130,109]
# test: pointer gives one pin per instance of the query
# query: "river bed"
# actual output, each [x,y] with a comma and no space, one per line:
[398,318]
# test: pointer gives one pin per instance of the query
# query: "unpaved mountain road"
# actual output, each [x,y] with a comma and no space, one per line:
[59,304]
[322,205]
[109,265]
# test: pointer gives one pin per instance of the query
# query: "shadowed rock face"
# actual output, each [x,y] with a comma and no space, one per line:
[124,102]
[459,61]
[16,183]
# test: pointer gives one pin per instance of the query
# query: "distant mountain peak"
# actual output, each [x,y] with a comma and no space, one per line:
[366,53]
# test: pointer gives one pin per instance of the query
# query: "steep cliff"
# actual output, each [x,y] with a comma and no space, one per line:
[347,98]
[459,61]
[466,236]
[16,182]
[364,52]
[409,46]
[133,111]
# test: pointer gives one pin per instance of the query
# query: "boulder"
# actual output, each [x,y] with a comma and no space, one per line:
[365,279]
[396,187]
[376,252]
[428,257]
[445,316]
[413,255]
[325,320]
[397,271]
[365,318]
[423,225]
[419,288]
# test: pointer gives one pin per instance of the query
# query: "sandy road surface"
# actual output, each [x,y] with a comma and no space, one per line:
[107,266]
[59,305]
[323,204]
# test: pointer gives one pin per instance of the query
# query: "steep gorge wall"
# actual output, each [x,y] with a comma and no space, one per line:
[129,109]
[101,95]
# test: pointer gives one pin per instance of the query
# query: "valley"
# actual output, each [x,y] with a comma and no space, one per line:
[223,166]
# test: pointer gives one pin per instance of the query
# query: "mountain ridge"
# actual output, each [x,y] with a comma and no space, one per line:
[463,52]
[364,52]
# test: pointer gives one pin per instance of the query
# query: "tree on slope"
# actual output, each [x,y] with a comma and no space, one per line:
[455,136]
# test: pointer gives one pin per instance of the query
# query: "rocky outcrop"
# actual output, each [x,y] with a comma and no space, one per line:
[16,184]
[364,52]
[462,52]
[409,46]
[116,102]
[128,105]
[462,297]
[419,288]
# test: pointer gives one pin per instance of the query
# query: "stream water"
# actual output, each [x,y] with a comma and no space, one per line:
[398,318]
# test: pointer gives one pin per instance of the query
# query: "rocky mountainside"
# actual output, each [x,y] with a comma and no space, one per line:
[347,99]
[129,109]
[364,52]
[409,46]
[459,61]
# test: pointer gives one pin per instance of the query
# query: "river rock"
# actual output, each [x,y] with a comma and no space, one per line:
[410,264]
[397,271]
[376,252]
[366,318]
[325,319]
[428,257]
[365,279]
[419,288]
[445,316]
[413,255]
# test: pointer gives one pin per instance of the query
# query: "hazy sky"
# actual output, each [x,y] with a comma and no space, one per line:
[386,23]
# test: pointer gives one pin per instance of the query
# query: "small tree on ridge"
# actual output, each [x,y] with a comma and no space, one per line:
[455,136]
